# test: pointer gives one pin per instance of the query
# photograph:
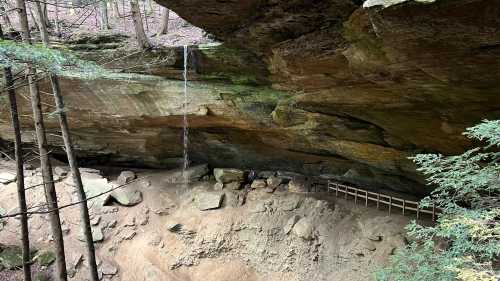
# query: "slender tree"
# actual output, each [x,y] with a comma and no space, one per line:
[142,39]
[56,18]
[165,18]
[116,10]
[104,15]
[77,179]
[5,16]
[48,179]
[21,195]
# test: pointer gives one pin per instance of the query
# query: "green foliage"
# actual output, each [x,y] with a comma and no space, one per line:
[467,188]
[59,62]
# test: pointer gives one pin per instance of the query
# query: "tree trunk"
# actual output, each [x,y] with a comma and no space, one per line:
[21,195]
[104,15]
[116,11]
[33,19]
[56,19]
[77,179]
[165,18]
[45,14]
[6,20]
[142,40]
[50,190]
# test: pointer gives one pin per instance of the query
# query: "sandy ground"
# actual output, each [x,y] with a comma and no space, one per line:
[237,242]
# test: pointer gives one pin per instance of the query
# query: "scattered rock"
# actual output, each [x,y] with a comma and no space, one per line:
[209,200]
[235,185]
[127,197]
[7,177]
[304,229]
[45,258]
[61,171]
[265,174]
[128,234]
[298,185]
[218,186]
[256,184]
[95,220]
[108,268]
[125,177]
[97,235]
[274,181]
[111,224]
[228,175]
[290,224]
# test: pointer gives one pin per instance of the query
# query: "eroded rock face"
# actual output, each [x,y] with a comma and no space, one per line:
[318,88]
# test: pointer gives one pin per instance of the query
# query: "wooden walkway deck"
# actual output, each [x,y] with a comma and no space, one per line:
[381,199]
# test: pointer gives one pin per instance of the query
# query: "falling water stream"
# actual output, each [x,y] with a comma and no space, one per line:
[185,124]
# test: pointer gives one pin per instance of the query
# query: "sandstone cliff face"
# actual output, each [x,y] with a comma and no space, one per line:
[327,87]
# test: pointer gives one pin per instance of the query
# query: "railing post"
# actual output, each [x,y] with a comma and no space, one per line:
[378,201]
[345,187]
[366,198]
[418,211]
[390,204]
[336,190]
[355,196]
[404,206]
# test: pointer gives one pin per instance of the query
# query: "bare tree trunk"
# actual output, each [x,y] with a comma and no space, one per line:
[142,40]
[5,17]
[165,19]
[104,15]
[45,14]
[145,15]
[33,19]
[150,7]
[56,18]
[77,179]
[21,195]
[116,11]
[48,179]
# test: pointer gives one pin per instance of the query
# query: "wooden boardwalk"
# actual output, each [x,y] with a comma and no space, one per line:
[381,199]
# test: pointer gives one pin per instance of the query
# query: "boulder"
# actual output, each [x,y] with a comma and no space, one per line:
[97,235]
[298,185]
[61,171]
[274,181]
[235,185]
[108,268]
[224,175]
[127,197]
[257,184]
[209,200]
[218,186]
[7,177]
[125,177]
[265,174]
[304,229]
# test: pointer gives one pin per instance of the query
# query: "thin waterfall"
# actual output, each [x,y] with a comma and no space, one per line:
[185,124]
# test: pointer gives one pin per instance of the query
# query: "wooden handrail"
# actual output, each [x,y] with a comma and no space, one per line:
[390,201]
